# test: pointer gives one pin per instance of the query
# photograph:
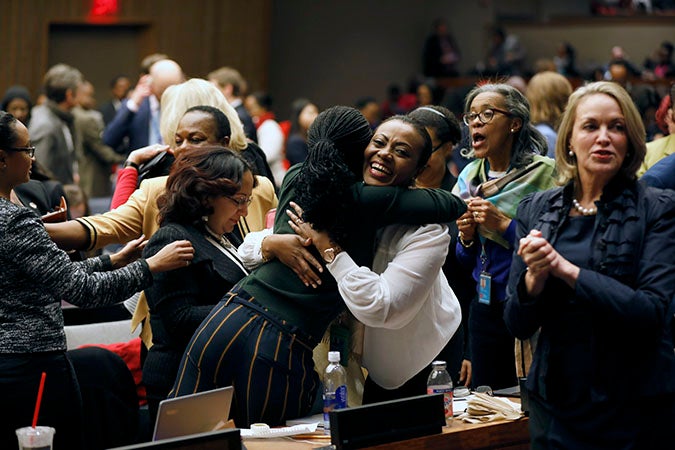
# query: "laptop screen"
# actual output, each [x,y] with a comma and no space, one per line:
[195,413]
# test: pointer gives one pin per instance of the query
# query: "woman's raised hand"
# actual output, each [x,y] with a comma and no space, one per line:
[173,256]
[144,154]
[129,253]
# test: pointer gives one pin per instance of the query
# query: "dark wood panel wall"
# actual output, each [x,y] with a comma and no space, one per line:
[201,35]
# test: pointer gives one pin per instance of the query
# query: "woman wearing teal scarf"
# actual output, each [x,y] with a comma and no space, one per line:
[508,165]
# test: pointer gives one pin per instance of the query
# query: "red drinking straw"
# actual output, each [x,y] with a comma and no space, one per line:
[39,398]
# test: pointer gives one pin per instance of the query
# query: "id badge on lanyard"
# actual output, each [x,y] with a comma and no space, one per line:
[485,279]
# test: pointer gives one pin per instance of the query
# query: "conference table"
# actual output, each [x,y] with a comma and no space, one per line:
[503,434]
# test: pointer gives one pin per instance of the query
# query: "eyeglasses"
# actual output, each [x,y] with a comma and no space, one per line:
[435,149]
[241,202]
[485,116]
[29,150]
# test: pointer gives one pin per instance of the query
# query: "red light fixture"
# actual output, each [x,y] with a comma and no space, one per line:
[101,8]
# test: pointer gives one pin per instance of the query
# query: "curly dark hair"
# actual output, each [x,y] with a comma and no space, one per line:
[197,174]
[336,141]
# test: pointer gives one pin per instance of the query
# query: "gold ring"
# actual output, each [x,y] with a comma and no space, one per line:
[187,263]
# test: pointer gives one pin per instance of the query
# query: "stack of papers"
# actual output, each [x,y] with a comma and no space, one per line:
[262,431]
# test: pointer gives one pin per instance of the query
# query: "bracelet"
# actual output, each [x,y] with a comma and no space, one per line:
[464,243]
[262,253]
[131,164]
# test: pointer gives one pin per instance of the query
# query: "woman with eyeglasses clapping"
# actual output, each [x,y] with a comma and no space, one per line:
[508,165]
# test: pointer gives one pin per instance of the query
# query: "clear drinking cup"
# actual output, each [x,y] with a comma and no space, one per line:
[38,438]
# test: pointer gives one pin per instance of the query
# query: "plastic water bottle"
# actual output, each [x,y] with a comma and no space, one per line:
[334,388]
[439,382]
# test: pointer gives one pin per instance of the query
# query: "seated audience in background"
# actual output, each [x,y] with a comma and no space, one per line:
[207,191]
[440,54]
[233,86]
[270,135]
[662,147]
[370,109]
[17,102]
[509,165]
[505,57]
[428,93]
[97,160]
[565,60]
[287,316]
[390,106]
[618,57]
[56,139]
[660,65]
[544,65]
[303,113]
[445,133]
[594,259]
[35,277]
[547,93]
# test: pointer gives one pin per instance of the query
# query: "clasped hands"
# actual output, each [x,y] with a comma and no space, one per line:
[542,261]
[481,212]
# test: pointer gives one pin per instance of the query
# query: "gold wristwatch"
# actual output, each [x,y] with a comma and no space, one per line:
[329,254]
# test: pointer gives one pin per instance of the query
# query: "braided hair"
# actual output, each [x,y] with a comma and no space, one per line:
[336,142]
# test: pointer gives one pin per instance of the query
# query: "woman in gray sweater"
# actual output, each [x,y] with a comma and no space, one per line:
[34,278]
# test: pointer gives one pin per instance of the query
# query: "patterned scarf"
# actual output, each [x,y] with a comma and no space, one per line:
[473,182]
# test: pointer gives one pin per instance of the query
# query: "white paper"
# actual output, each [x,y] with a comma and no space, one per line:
[247,433]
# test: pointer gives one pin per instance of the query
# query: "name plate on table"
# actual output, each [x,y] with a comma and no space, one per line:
[380,423]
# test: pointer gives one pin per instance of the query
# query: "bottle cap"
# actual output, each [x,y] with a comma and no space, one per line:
[438,365]
[334,356]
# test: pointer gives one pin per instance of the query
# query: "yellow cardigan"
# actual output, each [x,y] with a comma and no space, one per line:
[657,149]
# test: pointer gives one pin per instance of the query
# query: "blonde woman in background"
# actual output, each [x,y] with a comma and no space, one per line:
[547,93]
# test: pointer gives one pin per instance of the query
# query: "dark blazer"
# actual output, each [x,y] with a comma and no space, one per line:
[40,196]
[247,121]
[180,299]
[626,295]
[134,125]
[108,111]
[661,174]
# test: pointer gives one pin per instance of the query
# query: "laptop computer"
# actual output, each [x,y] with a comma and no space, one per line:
[195,413]
[229,439]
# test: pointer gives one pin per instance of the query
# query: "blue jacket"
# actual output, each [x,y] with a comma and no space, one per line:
[626,296]
[134,125]
[661,174]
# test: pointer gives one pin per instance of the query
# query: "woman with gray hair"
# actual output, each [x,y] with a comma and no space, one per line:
[594,274]
[508,166]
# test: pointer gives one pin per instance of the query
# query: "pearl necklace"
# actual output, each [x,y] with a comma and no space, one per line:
[584,211]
